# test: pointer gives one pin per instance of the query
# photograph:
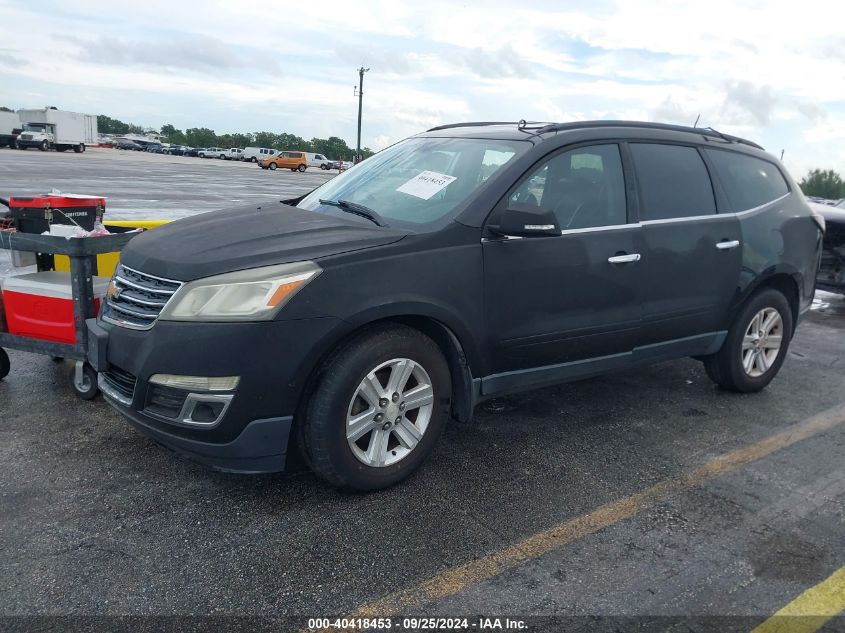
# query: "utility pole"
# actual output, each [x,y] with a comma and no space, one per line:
[361,72]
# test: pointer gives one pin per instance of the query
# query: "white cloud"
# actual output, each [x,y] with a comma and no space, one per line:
[772,70]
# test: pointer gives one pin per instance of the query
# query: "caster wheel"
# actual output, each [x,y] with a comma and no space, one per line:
[5,365]
[83,379]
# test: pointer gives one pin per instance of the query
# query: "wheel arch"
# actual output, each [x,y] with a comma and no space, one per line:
[449,342]
[786,281]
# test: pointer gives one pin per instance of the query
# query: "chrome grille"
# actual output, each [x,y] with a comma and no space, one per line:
[136,299]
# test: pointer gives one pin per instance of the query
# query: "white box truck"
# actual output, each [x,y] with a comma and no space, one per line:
[59,129]
[10,129]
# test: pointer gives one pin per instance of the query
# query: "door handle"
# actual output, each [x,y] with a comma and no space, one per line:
[727,245]
[624,259]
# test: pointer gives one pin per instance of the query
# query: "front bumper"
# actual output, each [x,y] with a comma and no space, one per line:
[260,448]
[273,360]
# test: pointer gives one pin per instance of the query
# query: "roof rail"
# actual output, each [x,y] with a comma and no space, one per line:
[704,131]
[471,124]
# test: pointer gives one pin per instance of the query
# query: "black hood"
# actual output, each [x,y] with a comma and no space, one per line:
[248,237]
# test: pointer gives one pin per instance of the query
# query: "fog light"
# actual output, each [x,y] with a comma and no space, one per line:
[207,411]
[197,383]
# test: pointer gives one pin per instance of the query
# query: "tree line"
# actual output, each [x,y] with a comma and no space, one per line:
[332,147]
[823,183]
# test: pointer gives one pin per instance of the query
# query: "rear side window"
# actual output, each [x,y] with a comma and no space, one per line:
[673,181]
[748,181]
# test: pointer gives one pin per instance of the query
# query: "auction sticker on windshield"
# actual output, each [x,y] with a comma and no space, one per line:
[426,184]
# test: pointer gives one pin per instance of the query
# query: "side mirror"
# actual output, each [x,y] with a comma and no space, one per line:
[526,220]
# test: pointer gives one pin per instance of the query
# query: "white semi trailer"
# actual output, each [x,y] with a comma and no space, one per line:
[10,129]
[53,128]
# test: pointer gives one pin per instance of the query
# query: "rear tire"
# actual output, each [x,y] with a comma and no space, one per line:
[301,168]
[396,384]
[79,148]
[756,344]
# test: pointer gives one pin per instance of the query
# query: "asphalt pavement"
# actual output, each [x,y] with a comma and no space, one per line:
[647,493]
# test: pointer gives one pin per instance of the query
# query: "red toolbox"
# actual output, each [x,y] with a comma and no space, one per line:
[35,214]
[40,305]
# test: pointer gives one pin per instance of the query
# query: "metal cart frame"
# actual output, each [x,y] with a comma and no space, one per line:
[82,253]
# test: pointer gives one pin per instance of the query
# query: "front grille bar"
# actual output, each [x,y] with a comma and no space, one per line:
[139,298]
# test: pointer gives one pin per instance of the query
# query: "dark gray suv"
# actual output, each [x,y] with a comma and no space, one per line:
[466,262]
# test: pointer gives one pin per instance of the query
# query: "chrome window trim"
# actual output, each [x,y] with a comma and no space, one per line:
[735,214]
[591,229]
[641,223]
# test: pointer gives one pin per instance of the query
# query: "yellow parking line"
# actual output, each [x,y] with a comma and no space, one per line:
[811,610]
[459,578]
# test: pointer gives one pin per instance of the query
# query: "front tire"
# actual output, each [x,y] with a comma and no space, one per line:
[272,166]
[756,345]
[44,146]
[378,409]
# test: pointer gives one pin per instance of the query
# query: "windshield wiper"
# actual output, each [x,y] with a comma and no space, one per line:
[356,209]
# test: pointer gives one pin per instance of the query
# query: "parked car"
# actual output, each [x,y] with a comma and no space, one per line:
[234,153]
[195,151]
[397,295]
[295,161]
[212,152]
[255,154]
[831,275]
[123,143]
[177,150]
[154,148]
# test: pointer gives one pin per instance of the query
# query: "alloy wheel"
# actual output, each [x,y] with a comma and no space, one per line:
[389,412]
[762,342]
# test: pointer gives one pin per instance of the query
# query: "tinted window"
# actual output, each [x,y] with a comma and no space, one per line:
[673,181]
[748,182]
[584,187]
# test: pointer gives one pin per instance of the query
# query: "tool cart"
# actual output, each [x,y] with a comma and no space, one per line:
[40,322]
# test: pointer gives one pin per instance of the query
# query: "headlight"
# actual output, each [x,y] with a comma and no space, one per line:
[247,295]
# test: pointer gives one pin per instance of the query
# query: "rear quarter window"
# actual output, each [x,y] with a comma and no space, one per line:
[748,181]
[673,181]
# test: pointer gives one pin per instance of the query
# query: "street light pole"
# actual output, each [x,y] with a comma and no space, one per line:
[361,72]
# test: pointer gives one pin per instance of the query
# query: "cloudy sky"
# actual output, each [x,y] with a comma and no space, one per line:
[771,71]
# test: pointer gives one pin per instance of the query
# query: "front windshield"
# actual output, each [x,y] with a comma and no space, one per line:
[419,180]
[34,127]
